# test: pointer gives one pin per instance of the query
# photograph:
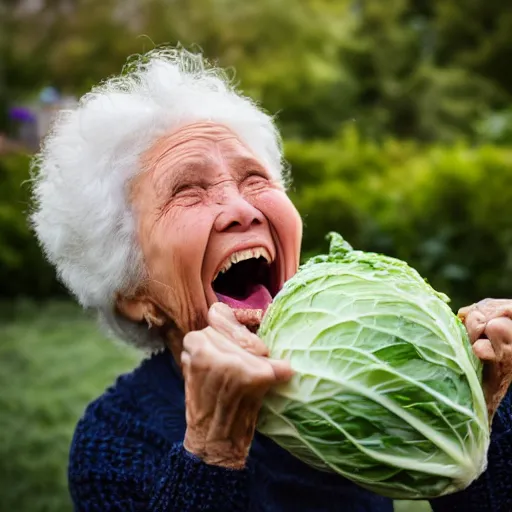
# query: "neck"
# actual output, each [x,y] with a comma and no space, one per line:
[174,342]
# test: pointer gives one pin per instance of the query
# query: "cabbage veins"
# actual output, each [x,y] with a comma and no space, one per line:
[387,391]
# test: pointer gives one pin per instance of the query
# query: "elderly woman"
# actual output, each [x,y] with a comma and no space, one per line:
[161,201]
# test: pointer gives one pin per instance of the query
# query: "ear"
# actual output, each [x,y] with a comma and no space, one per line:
[140,309]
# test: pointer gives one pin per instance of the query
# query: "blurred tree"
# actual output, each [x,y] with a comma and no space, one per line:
[23,270]
[445,210]
[403,88]
[414,69]
[284,52]
[350,80]
[476,35]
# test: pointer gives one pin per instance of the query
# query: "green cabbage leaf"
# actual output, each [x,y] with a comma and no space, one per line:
[387,391]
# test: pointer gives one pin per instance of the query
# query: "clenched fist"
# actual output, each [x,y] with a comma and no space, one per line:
[489,324]
[227,373]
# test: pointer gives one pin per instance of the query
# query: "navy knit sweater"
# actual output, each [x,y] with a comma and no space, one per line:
[127,455]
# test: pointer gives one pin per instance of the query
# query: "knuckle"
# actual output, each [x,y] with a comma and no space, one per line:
[244,375]
[192,341]
[248,342]
[476,317]
[258,376]
[223,364]
[252,343]
[204,356]
[257,340]
[200,349]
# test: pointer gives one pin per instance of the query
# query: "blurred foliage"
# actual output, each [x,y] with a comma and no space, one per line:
[446,210]
[53,364]
[414,69]
[397,117]
[23,270]
[496,127]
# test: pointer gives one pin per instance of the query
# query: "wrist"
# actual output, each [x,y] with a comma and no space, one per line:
[222,453]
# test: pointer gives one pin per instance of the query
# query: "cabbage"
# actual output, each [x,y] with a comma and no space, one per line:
[387,390]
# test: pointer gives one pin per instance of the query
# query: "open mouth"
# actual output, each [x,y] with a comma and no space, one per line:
[247,280]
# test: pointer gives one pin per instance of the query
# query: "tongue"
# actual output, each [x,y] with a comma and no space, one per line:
[258,298]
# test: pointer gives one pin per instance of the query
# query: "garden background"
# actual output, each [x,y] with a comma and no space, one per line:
[397,120]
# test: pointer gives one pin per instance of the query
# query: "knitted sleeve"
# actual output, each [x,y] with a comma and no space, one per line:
[139,472]
[492,492]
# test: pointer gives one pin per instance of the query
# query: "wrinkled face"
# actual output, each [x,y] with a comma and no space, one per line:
[213,226]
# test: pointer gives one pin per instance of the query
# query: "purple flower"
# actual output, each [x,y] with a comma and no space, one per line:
[21,114]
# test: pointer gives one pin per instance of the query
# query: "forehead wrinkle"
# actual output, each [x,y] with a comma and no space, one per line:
[199,166]
[208,133]
[189,169]
[170,148]
[191,154]
[205,131]
[245,163]
[170,159]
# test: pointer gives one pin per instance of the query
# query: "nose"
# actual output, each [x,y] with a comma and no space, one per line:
[237,215]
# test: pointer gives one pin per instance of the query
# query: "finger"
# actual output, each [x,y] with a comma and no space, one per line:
[475,324]
[230,348]
[500,329]
[484,350]
[283,371]
[507,309]
[499,332]
[464,312]
[193,342]
[494,308]
[206,349]
[222,319]
[500,307]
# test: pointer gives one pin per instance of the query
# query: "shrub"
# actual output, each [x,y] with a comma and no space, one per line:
[445,210]
[23,270]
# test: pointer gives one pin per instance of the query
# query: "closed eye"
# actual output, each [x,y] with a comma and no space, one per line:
[255,178]
[180,189]
[187,187]
[256,173]
[187,195]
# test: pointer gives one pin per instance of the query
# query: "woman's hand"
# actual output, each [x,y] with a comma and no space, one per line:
[227,373]
[489,324]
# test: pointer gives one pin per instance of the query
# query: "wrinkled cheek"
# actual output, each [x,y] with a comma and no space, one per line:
[285,221]
[191,291]
[179,246]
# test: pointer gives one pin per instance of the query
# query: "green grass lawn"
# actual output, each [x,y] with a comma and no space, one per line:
[53,362]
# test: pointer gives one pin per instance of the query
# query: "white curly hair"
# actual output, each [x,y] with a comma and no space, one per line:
[81,213]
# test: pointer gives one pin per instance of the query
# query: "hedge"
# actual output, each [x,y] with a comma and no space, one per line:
[447,210]
[23,270]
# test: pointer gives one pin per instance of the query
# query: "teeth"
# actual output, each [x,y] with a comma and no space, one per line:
[246,254]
